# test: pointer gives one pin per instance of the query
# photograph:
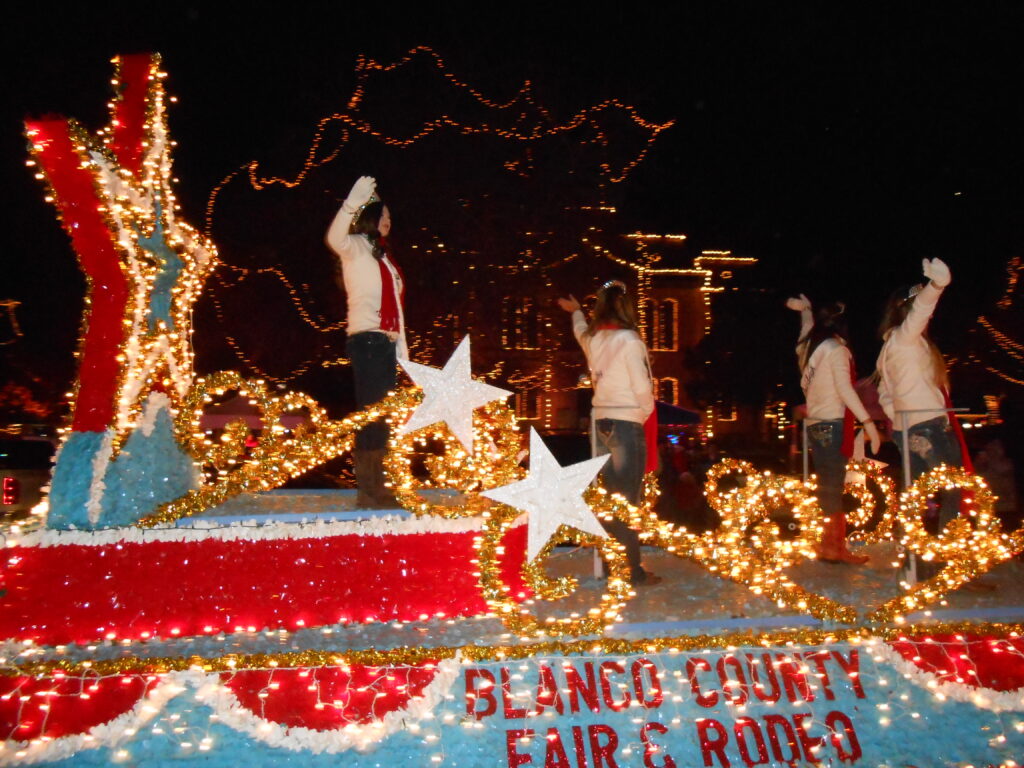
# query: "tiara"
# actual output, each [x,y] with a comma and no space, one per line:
[614,284]
[374,198]
[914,290]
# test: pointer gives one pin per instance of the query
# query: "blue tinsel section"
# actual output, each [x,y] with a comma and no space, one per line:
[69,489]
[170,267]
[943,734]
[148,472]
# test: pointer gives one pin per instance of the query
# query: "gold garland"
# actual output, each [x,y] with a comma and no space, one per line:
[517,616]
[417,655]
[278,455]
[873,472]
[493,462]
[747,547]
[970,545]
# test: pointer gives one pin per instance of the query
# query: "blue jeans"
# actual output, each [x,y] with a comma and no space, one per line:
[825,441]
[623,473]
[374,369]
[932,443]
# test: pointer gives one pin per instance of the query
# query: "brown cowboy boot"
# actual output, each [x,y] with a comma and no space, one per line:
[362,467]
[828,550]
[845,555]
[383,496]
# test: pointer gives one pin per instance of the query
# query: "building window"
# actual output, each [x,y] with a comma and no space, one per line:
[668,390]
[725,412]
[454,323]
[520,323]
[528,405]
[663,322]
[649,322]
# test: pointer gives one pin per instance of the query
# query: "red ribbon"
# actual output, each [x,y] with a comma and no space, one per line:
[958,430]
[849,420]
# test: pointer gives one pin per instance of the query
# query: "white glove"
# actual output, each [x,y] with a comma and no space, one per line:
[799,305]
[361,193]
[570,304]
[936,271]
[872,433]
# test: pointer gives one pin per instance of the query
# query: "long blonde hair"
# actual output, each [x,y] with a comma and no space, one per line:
[896,311]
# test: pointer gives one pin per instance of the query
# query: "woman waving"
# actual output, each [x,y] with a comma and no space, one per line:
[826,377]
[623,399]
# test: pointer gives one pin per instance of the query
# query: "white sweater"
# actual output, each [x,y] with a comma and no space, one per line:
[619,371]
[907,367]
[361,272]
[827,384]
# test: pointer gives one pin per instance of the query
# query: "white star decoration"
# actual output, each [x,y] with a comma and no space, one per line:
[449,395]
[552,495]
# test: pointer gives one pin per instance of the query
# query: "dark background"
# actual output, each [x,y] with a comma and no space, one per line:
[837,146]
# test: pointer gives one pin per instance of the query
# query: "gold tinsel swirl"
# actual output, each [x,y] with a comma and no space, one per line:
[874,473]
[516,614]
[280,454]
[969,545]
[493,462]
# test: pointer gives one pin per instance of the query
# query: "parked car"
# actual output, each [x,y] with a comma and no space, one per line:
[24,470]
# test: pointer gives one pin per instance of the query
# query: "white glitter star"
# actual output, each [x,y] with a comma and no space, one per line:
[552,495]
[449,395]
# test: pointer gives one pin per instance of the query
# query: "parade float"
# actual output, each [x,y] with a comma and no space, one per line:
[138,630]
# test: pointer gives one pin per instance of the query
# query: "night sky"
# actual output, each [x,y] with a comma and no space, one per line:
[837,147]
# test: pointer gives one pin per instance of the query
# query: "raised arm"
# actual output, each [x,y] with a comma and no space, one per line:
[803,306]
[579,321]
[338,238]
[923,308]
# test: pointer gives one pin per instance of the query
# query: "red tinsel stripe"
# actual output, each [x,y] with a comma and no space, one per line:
[31,708]
[74,593]
[328,698]
[975,660]
[131,107]
[98,257]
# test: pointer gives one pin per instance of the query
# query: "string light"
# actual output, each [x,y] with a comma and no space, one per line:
[997,339]
[746,547]
[515,614]
[871,472]
[492,463]
[353,124]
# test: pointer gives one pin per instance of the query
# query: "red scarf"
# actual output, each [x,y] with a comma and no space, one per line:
[849,420]
[965,457]
[390,299]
